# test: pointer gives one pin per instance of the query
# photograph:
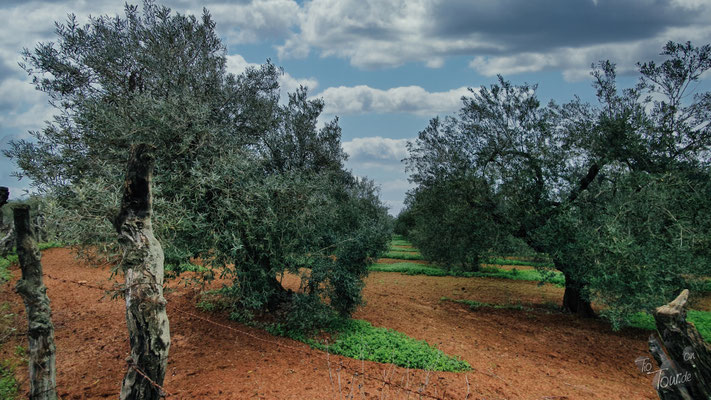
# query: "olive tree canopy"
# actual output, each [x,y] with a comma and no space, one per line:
[616,194]
[249,185]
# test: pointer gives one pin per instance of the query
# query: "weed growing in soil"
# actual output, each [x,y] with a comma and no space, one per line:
[474,305]
[399,240]
[5,274]
[556,278]
[504,261]
[352,338]
[399,249]
[403,255]
[184,267]
[10,259]
[410,269]
[360,340]
[8,384]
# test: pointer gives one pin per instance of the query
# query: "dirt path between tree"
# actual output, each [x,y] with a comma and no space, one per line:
[515,354]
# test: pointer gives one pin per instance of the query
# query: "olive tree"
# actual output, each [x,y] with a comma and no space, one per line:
[250,186]
[608,191]
[451,221]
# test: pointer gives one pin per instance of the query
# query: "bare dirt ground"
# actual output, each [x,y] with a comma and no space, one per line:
[515,354]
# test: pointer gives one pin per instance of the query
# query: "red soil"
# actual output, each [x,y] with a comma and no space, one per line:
[515,354]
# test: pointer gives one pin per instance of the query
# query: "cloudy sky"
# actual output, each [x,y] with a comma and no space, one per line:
[385,67]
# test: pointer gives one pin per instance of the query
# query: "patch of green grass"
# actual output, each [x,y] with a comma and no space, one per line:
[700,319]
[553,277]
[6,262]
[403,255]
[474,305]
[353,338]
[49,245]
[409,269]
[5,274]
[8,383]
[406,268]
[400,242]
[185,267]
[206,306]
[642,320]
[503,261]
[360,340]
[403,249]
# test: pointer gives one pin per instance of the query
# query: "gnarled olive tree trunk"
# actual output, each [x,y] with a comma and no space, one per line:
[142,264]
[573,300]
[683,356]
[41,331]
[7,233]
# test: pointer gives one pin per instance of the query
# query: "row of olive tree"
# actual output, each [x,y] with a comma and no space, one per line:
[618,195]
[247,184]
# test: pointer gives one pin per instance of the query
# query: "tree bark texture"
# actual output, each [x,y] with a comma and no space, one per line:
[142,264]
[40,331]
[573,301]
[683,355]
[7,233]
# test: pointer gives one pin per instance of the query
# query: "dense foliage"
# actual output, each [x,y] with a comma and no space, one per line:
[247,184]
[617,195]
[453,221]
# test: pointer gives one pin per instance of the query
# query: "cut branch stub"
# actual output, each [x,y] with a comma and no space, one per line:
[683,355]
[40,331]
[142,264]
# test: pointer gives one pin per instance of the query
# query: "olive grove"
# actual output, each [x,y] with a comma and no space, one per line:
[616,194]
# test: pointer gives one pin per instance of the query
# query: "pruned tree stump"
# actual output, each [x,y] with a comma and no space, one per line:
[683,356]
[142,265]
[40,332]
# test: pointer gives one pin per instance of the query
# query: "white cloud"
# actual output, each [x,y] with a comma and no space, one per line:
[405,99]
[375,34]
[29,117]
[575,63]
[376,152]
[15,91]
[255,21]
[394,206]
[397,185]
[20,192]
[380,158]
[691,4]
[498,35]
[512,64]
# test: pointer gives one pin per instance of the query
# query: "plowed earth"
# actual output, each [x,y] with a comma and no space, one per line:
[515,354]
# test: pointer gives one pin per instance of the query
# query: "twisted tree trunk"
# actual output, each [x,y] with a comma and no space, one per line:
[7,233]
[41,331]
[573,300]
[683,356]
[142,265]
